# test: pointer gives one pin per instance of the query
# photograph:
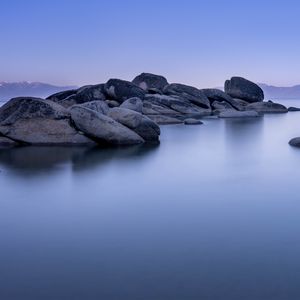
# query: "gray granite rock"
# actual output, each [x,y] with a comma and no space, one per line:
[238,87]
[164,120]
[135,104]
[97,105]
[148,81]
[102,128]
[229,113]
[267,107]
[295,142]
[293,109]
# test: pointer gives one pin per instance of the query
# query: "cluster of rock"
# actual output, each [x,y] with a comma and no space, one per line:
[124,113]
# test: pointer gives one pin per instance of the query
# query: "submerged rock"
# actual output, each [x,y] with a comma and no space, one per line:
[121,90]
[295,142]
[191,121]
[103,128]
[152,82]
[267,107]
[238,114]
[139,123]
[241,88]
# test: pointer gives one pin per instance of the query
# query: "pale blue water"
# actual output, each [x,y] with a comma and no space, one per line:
[211,213]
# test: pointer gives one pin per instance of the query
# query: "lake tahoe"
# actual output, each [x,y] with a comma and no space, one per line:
[212,212]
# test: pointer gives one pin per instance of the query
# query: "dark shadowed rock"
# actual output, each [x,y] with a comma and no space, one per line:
[135,104]
[267,107]
[61,95]
[139,123]
[148,81]
[217,95]
[122,90]
[191,121]
[176,103]
[237,114]
[103,128]
[238,87]
[164,120]
[28,108]
[295,142]
[7,143]
[97,105]
[293,109]
[189,93]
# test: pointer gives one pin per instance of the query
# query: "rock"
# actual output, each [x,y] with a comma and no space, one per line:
[28,108]
[175,103]
[43,131]
[217,95]
[103,128]
[84,94]
[237,114]
[61,95]
[97,105]
[221,105]
[191,121]
[6,142]
[238,87]
[112,103]
[267,107]
[137,122]
[122,90]
[148,81]
[295,142]
[293,109]
[153,109]
[189,93]
[241,102]
[164,120]
[135,104]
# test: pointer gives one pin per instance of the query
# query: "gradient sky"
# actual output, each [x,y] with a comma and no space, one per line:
[201,43]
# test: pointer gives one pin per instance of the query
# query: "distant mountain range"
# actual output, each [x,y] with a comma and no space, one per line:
[36,89]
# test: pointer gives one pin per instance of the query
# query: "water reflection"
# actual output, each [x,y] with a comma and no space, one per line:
[35,160]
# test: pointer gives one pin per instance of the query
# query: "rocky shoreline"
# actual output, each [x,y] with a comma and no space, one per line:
[120,112]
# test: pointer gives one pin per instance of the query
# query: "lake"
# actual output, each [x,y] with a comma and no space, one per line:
[213,212]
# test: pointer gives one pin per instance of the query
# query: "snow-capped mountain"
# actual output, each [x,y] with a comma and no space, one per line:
[36,89]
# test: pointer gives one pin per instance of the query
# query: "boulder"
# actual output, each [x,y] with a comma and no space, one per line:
[7,143]
[176,103]
[267,107]
[97,105]
[295,142]
[221,105]
[293,109]
[189,93]
[238,87]
[28,108]
[112,103]
[148,81]
[154,109]
[137,122]
[121,90]
[191,121]
[217,95]
[61,95]
[102,128]
[164,120]
[229,113]
[135,104]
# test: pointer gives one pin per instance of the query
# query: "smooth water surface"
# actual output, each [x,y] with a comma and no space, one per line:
[213,212]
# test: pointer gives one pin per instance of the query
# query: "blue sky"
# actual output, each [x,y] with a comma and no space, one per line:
[201,43]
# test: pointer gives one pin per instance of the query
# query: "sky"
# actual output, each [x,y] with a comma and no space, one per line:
[200,43]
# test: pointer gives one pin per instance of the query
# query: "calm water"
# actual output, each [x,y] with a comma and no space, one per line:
[211,213]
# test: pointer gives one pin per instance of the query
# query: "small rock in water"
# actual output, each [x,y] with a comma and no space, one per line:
[295,142]
[293,109]
[191,121]
[238,114]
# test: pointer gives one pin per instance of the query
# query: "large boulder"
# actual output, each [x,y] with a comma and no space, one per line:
[152,82]
[176,103]
[139,123]
[135,104]
[102,128]
[97,105]
[37,121]
[267,107]
[217,95]
[241,88]
[122,90]
[61,95]
[189,93]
